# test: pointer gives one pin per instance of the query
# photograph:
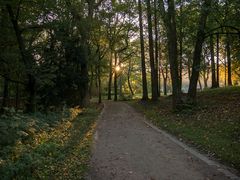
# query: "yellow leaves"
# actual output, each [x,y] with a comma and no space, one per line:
[74,112]
[58,147]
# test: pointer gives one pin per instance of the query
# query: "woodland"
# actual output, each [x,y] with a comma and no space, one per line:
[65,52]
[60,59]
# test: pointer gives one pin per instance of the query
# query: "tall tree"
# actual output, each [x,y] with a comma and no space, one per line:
[143,68]
[181,44]
[213,66]
[110,77]
[156,46]
[169,19]
[192,91]
[217,60]
[151,52]
[229,62]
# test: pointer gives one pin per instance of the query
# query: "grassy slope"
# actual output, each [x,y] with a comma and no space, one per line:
[55,146]
[213,126]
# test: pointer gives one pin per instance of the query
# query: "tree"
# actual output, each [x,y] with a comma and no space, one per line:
[27,60]
[192,91]
[214,82]
[154,83]
[170,24]
[144,76]
[229,63]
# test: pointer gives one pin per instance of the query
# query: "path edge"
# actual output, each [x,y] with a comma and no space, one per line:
[94,139]
[194,152]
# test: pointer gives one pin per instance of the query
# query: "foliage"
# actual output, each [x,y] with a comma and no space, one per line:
[53,145]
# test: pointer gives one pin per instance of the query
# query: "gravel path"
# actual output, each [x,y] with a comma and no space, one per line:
[126,148]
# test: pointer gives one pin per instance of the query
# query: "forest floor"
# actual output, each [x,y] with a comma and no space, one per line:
[125,147]
[55,145]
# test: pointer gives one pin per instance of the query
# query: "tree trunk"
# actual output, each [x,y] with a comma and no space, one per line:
[151,53]
[173,55]
[156,46]
[192,91]
[31,87]
[144,76]
[205,75]
[217,60]
[99,86]
[120,88]
[165,86]
[225,68]
[91,83]
[159,66]
[110,78]
[214,82]
[229,63]
[180,48]
[115,77]
[5,93]
[200,84]
[165,80]
[17,96]
[128,78]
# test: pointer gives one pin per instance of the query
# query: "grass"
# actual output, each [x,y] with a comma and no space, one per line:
[213,126]
[53,146]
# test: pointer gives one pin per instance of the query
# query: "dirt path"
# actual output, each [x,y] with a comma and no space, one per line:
[126,148]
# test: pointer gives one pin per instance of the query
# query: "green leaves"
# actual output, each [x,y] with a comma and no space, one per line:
[53,145]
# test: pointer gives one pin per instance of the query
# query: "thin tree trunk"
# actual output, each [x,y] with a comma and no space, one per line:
[214,82]
[115,77]
[120,87]
[144,76]
[91,83]
[151,52]
[110,78]
[159,67]
[217,60]
[189,70]
[229,63]
[200,84]
[165,86]
[192,91]
[128,77]
[225,68]
[165,80]
[17,96]
[180,47]
[156,46]
[31,87]
[99,86]
[5,93]
[205,75]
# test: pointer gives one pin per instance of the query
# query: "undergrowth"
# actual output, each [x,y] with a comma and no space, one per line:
[46,146]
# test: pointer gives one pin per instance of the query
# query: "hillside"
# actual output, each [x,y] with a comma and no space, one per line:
[213,126]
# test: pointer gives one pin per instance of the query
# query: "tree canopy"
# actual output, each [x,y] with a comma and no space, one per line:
[66,52]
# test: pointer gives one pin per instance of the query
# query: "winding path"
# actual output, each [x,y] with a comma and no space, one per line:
[127,148]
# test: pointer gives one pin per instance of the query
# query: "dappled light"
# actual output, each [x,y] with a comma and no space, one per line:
[148,79]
